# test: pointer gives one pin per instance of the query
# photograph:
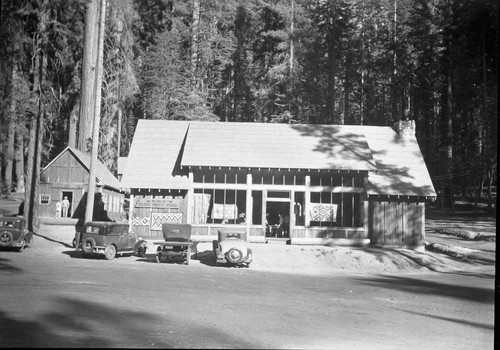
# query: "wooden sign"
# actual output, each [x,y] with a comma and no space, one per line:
[156,203]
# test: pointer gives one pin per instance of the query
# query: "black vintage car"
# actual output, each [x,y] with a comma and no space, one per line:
[177,245]
[108,238]
[13,233]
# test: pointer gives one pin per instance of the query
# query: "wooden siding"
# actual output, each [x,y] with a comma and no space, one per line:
[396,223]
[146,216]
[67,174]
[331,232]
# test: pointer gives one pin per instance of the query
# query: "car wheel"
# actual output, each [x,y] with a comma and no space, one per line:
[110,252]
[21,248]
[5,239]
[141,251]
[234,255]
[88,245]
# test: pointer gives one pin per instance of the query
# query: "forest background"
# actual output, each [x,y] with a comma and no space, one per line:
[358,62]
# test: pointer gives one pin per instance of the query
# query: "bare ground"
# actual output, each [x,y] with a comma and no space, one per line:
[445,251]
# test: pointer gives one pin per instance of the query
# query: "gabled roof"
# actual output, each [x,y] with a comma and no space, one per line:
[153,156]
[122,164]
[401,169]
[162,150]
[103,176]
[261,145]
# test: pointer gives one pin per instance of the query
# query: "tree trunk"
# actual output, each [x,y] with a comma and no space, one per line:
[447,139]
[347,90]
[9,156]
[194,41]
[332,72]
[73,123]
[119,132]
[394,87]
[19,157]
[362,87]
[89,210]
[36,135]
[88,77]
[291,61]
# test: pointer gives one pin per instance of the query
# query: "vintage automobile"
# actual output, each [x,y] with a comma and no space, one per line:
[13,233]
[232,247]
[177,245]
[108,238]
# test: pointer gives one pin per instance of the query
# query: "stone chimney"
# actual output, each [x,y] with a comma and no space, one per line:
[405,127]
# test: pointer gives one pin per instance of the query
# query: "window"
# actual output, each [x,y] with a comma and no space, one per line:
[298,208]
[45,199]
[335,209]
[92,229]
[218,206]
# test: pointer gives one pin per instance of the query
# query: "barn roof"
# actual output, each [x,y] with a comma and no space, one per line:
[162,149]
[103,175]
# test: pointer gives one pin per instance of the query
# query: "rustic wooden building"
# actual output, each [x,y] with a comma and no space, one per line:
[67,175]
[357,183]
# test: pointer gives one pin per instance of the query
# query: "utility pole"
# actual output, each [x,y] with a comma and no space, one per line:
[87,100]
[89,211]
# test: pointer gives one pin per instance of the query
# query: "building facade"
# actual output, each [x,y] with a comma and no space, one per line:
[67,175]
[306,183]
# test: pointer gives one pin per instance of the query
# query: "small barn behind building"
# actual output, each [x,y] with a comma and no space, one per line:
[356,183]
[67,175]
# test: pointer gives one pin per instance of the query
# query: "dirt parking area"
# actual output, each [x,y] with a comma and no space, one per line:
[477,255]
[295,259]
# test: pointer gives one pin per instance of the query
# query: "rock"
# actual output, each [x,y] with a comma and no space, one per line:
[465,234]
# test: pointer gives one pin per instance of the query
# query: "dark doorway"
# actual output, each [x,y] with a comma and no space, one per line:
[68,194]
[278,219]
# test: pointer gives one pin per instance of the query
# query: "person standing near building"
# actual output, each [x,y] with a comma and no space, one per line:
[58,209]
[65,206]
[281,227]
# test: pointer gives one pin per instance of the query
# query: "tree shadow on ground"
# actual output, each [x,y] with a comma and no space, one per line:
[6,266]
[415,285]
[80,323]
[53,240]
[449,319]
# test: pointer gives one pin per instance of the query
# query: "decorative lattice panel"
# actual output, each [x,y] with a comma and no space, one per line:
[324,212]
[140,221]
[157,219]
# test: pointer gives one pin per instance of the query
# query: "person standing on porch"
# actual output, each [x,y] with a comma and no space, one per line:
[58,209]
[65,206]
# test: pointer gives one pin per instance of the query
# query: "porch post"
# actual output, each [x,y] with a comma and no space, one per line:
[130,210]
[249,206]
[307,204]
[190,199]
